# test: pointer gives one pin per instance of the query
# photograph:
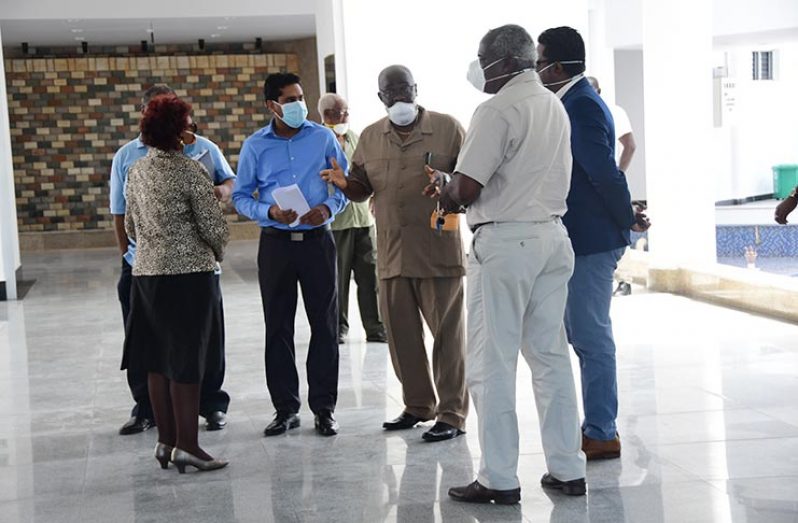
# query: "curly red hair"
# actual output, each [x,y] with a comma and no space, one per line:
[164,119]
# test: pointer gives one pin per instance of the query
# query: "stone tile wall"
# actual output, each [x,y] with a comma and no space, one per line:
[70,114]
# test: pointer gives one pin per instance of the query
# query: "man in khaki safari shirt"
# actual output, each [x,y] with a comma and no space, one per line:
[420,268]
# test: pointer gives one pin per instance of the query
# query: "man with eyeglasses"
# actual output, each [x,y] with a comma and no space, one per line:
[420,261]
[355,236]
[213,400]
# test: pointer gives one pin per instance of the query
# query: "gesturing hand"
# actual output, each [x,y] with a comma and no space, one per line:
[286,217]
[222,193]
[784,209]
[642,223]
[316,216]
[433,189]
[334,175]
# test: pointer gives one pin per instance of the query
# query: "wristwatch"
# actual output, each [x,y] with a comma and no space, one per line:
[794,193]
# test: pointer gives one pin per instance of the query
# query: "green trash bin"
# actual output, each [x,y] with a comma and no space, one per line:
[785,178]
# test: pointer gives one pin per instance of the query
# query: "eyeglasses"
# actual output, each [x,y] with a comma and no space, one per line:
[399,91]
[337,114]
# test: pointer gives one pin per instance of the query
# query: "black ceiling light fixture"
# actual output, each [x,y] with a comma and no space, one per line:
[259,43]
[85,45]
[144,46]
[25,47]
[201,44]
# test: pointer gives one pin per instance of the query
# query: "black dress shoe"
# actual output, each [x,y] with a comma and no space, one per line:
[623,289]
[574,487]
[476,493]
[283,421]
[135,425]
[441,431]
[326,424]
[377,338]
[216,420]
[404,421]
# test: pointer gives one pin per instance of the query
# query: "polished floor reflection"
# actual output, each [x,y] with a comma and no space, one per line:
[709,421]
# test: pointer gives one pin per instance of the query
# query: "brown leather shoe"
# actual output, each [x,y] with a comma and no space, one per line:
[601,449]
[476,493]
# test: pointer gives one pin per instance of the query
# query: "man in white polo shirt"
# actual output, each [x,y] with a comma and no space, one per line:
[513,173]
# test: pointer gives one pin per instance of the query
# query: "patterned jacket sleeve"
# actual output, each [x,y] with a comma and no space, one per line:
[209,218]
[130,225]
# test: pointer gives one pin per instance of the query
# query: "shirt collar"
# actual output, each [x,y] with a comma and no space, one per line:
[565,88]
[526,76]
[139,143]
[270,128]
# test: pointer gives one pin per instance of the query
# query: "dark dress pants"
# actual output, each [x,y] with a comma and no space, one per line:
[282,263]
[212,397]
[357,251]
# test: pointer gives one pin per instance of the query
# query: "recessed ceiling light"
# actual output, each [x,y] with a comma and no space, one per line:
[76,30]
[79,38]
[73,20]
[221,27]
[150,30]
[215,35]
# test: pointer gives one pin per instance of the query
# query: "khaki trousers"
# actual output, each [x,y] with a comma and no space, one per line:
[517,288]
[403,301]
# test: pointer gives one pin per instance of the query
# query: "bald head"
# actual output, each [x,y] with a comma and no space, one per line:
[393,75]
[396,84]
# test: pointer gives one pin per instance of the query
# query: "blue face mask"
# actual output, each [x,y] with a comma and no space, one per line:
[294,113]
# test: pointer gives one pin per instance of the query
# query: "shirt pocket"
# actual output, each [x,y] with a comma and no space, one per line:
[443,162]
[378,171]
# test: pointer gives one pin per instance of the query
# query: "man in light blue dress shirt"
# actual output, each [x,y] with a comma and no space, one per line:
[213,401]
[294,249]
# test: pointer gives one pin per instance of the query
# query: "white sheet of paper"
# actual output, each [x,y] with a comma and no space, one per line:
[206,160]
[291,197]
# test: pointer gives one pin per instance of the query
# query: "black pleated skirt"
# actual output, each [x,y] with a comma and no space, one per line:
[174,321]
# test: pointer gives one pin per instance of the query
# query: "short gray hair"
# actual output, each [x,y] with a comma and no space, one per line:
[329,101]
[512,41]
[155,90]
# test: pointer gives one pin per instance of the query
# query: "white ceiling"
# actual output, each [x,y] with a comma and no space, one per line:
[131,31]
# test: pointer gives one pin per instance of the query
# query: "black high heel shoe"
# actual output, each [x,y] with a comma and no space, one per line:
[181,458]
[162,454]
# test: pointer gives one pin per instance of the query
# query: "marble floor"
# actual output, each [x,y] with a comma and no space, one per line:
[708,418]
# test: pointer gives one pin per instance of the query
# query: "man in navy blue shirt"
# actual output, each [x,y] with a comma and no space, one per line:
[599,218]
[294,249]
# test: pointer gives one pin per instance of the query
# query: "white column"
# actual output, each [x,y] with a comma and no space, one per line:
[330,41]
[677,69]
[600,54]
[9,237]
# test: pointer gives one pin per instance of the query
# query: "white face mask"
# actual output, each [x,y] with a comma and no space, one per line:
[339,129]
[476,74]
[561,81]
[294,113]
[402,113]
